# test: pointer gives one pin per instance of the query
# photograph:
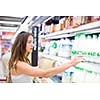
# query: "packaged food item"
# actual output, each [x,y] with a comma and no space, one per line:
[53,28]
[62,23]
[65,77]
[46,64]
[87,19]
[95,18]
[78,20]
[70,22]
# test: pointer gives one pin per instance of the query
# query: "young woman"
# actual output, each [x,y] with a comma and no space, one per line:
[20,69]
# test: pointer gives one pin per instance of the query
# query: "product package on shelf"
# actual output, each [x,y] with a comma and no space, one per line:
[45,63]
[87,46]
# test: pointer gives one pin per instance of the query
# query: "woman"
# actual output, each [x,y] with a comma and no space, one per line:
[20,69]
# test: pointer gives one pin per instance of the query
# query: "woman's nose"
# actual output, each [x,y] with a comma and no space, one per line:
[32,44]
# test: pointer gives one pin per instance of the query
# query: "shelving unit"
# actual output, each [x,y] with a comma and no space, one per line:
[88,67]
[85,65]
[6,41]
[88,28]
[56,58]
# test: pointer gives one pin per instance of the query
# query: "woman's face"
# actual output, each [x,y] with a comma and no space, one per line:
[29,44]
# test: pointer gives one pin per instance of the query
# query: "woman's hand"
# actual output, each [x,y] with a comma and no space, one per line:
[78,59]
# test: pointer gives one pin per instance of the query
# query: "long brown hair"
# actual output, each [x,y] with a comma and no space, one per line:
[18,50]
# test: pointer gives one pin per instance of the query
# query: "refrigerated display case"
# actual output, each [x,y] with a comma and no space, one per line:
[81,36]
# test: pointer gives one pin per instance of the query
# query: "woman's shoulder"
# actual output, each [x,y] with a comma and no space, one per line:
[22,64]
[22,67]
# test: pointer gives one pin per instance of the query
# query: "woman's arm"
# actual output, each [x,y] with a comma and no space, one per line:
[24,68]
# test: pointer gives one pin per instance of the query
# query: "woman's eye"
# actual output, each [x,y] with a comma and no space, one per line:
[29,41]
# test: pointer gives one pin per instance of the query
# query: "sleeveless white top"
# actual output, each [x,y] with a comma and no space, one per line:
[21,78]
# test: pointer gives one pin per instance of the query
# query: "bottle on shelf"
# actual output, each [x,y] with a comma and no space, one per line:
[65,77]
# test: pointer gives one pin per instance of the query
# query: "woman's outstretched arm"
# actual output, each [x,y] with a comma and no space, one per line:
[24,68]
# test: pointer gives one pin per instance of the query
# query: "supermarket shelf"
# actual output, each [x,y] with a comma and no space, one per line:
[56,58]
[87,65]
[73,34]
[95,67]
[58,36]
[88,28]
